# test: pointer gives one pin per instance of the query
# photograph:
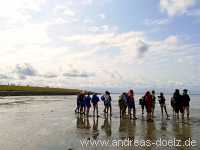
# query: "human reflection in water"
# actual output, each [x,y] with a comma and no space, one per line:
[95,130]
[163,125]
[122,128]
[182,131]
[82,122]
[150,133]
[131,129]
[106,127]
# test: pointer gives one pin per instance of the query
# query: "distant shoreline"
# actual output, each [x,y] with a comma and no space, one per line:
[12,90]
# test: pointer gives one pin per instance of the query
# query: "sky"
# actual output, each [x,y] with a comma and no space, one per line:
[107,44]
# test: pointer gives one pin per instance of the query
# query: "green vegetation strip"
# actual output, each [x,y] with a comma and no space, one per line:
[7,90]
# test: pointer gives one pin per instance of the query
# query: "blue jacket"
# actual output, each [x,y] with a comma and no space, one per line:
[95,99]
[87,100]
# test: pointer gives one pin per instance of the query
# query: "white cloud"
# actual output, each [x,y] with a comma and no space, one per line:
[175,7]
[125,41]
[156,22]
[18,11]
[64,10]
[44,40]
[171,40]
[102,16]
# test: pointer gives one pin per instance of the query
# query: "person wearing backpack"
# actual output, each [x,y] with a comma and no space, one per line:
[122,102]
[87,103]
[142,104]
[161,99]
[107,103]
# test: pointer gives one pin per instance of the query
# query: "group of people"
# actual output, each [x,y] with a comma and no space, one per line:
[84,101]
[148,101]
[179,103]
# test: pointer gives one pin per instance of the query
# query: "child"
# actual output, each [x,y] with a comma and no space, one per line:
[95,100]
[82,102]
[162,104]
[87,103]
[153,102]
[78,104]
[142,104]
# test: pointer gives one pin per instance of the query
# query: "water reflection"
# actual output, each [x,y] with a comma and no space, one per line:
[106,127]
[151,131]
[182,131]
[82,122]
[122,128]
[163,126]
[95,130]
[131,129]
[127,128]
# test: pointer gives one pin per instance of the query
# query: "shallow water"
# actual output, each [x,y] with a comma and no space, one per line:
[49,123]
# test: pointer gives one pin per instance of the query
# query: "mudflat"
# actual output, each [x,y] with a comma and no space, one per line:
[49,123]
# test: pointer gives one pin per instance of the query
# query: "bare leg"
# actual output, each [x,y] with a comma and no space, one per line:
[84,110]
[162,111]
[97,110]
[166,111]
[142,110]
[88,111]
[129,112]
[94,109]
[188,111]
[110,110]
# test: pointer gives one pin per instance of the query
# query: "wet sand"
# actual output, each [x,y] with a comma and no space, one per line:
[49,123]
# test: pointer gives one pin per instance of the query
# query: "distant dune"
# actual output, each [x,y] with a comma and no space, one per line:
[12,90]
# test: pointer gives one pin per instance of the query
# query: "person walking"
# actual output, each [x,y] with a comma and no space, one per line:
[87,103]
[161,99]
[186,103]
[178,102]
[95,100]
[148,102]
[142,104]
[153,102]
[107,103]
[131,104]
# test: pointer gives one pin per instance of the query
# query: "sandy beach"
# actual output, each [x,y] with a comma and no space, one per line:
[49,123]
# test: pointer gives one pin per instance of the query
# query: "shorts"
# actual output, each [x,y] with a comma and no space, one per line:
[179,109]
[149,109]
[162,105]
[131,106]
[108,105]
[88,105]
[95,104]
[82,104]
